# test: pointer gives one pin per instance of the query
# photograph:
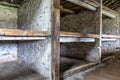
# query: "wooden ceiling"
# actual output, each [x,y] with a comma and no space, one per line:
[13,1]
[113,4]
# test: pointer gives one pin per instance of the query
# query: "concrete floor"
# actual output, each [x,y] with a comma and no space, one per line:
[109,72]
[16,71]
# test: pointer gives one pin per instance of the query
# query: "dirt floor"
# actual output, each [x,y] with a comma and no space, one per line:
[111,71]
[16,71]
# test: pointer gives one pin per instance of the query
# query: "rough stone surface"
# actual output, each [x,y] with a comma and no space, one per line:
[16,71]
[35,15]
[111,26]
[84,22]
[8,17]
[8,13]
[77,23]
[8,51]
[8,20]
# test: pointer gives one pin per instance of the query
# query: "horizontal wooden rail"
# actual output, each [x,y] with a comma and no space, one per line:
[78,69]
[70,39]
[80,35]
[17,32]
[75,34]
[10,38]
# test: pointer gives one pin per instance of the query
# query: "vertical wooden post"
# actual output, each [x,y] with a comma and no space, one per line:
[55,34]
[99,27]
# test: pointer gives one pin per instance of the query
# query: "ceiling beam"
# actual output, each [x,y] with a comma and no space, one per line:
[92,5]
[9,4]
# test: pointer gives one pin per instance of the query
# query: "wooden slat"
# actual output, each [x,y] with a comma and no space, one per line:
[80,35]
[9,4]
[92,5]
[69,39]
[75,34]
[96,4]
[32,33]
[111,36]
[78,69]
[17,32]
[9,38]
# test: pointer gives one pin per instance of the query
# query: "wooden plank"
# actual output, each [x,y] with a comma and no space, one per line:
[32,33]
[108,58]
[106,11]
[71,39]
[92,5]
[81,35]
[9,4]
[96,4]
[78,69]
[106,40]
[111,36]
[75,34]
[17,32]
[55,35]
[74,39]
[66,10]
[9,38]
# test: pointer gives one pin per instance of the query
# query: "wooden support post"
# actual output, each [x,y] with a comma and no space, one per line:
[55,34]
[99,28]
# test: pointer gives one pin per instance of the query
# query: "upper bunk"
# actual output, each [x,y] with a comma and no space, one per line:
[70,6]
[75,6]
[16,34]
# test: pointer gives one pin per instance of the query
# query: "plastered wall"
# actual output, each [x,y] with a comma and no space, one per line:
[36,15]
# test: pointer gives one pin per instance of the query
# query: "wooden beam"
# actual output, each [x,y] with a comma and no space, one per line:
[9,4]
[81,35]
[66,10]
[17,32]
[92,5]
[37,33]
[105,10]
[106,40]
[78,69]
[71,39]
[111,36]
[75,34]
[55,35]
[76,39]
[9,38]
[108,58]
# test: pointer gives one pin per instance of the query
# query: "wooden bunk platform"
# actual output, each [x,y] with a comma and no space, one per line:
[16,34]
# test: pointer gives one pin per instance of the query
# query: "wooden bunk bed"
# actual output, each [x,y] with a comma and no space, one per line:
[58,36]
